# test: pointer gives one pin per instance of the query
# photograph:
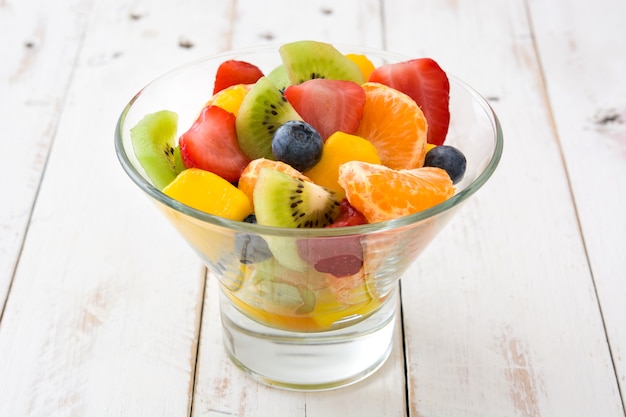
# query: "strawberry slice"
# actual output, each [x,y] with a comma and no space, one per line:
[234,72]
[340,256]
[425,82]
[211,144]
[348,215]
[328,105]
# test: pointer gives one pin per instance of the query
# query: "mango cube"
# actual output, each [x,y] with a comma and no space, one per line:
[208,192]
[339,148]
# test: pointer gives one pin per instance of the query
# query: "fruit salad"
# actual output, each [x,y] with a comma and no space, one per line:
[323,140]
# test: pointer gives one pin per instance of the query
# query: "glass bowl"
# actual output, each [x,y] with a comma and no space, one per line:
[284,322]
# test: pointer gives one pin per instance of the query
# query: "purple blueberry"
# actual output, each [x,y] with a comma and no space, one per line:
[251,248]
[449,159]
[298,144]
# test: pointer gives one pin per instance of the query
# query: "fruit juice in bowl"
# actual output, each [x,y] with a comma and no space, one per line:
[308,178]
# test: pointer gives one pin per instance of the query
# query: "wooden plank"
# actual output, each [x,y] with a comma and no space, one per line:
[39,47]
[511,325]
[221,389]
[104,312]
[97,326]
[279,21]
[584,57]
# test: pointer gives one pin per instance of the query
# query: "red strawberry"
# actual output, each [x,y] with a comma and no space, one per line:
[328,105]
[348,216]
[233,72]
[211,144]
[425,82]
[340,256]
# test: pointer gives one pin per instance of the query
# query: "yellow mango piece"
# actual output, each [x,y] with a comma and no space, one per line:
[365,65]
[230,98]
[326,313]
[208,192]
[339,148]
[327,319]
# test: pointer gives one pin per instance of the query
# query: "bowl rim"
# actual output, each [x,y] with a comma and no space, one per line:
[245,227]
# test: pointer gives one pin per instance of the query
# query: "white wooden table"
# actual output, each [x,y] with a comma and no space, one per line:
[517,309]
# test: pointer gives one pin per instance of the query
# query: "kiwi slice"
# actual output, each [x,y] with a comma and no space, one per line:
[286,201]
[305,60]
[284,298]
[262,111]
[279,294]
[154,142]
[278,76]
[273,270]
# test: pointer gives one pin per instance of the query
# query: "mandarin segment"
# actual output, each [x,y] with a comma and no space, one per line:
[248,178]
[395,125]
[382,193]
[349,290]
[424,81]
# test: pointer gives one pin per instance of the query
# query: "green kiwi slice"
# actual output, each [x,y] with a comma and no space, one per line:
[154,143]
[278,76]
[283,298]
[286,201]
[262,111]
[278,295]
[305,60]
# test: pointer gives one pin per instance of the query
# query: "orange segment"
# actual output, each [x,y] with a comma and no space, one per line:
[382,193]
[251,172]
[395,124]
[350,290]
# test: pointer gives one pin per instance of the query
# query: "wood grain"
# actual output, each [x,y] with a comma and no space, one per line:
[38,45]
[492,334]
[514,310]
[104,312]
[577,48]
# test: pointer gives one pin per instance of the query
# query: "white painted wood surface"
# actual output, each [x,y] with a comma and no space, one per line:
[105,311]
[38,45]
[586,43]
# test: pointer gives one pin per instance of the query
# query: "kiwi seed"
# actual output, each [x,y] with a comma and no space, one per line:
[285,201]
[262,111]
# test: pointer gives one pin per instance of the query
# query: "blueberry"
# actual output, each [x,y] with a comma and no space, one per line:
[449,159]
[251,248]
[298,144]
[250,218]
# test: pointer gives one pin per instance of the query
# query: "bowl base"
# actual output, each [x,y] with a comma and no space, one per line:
[309,361]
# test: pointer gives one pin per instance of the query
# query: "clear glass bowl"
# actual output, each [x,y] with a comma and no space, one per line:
[286,323]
